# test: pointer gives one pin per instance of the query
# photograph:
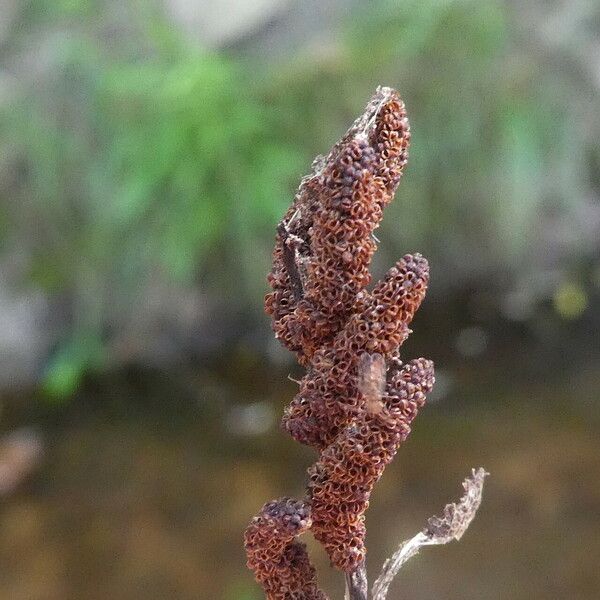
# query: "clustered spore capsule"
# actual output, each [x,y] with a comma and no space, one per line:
[357,400]
[280,562]
[341,481]
[329,396]
[325,241]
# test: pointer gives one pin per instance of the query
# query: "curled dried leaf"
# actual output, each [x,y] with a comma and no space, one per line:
[456,517]
[450,525]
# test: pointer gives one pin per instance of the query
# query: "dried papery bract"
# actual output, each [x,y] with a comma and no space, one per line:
[356,403]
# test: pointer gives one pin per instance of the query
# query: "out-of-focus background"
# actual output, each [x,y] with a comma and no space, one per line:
[148,150]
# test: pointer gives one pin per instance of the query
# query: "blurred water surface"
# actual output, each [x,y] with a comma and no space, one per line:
[149,480]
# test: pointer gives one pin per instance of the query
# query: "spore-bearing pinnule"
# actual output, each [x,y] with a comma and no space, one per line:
[357,400]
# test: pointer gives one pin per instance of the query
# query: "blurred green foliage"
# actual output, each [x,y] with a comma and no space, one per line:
[497,140]
[137,160]
[139,156]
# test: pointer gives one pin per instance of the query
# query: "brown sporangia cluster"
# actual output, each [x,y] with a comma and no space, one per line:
[279,561]
[342,479]
[357,400]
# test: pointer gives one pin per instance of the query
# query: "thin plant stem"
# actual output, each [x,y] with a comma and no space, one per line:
[356,584]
